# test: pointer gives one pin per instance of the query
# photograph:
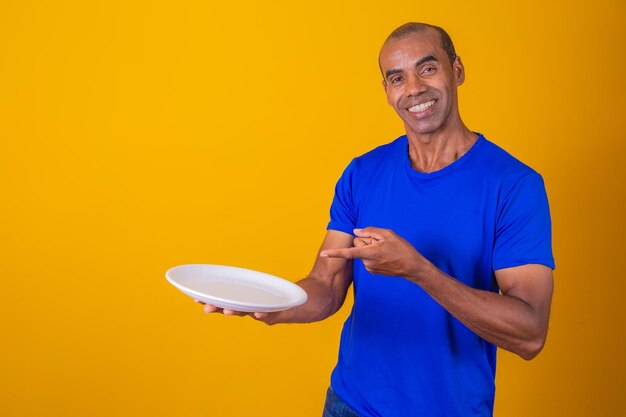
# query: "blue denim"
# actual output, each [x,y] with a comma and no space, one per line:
[336,407]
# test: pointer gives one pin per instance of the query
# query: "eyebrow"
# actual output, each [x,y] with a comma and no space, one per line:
[427,58]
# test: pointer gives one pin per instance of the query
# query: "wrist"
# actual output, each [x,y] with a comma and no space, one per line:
[422,272]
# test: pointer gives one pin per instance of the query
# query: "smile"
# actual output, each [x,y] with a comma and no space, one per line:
[421,107]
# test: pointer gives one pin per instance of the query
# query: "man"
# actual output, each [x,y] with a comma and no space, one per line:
[451,253]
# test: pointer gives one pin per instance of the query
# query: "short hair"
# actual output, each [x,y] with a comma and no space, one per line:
[415,27]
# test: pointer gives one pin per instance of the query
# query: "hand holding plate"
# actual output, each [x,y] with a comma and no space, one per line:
[210,308]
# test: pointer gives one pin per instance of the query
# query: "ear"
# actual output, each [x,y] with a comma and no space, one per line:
[459,71]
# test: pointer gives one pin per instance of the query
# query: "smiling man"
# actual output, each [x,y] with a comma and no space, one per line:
[447,240]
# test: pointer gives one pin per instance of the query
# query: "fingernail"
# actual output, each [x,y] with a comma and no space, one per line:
[357,231]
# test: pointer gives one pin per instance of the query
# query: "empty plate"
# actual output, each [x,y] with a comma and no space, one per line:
[236,288]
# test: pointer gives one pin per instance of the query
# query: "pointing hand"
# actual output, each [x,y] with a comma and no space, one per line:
[383,252]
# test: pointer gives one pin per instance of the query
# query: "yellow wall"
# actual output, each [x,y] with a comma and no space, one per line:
[135,137]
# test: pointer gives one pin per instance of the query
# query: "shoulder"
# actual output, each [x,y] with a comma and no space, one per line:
[518,189]
[388,153]
[378,163]
[507,169]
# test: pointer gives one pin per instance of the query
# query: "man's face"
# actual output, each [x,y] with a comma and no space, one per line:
[420,82]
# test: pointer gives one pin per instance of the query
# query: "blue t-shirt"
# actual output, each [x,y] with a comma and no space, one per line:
[401,353]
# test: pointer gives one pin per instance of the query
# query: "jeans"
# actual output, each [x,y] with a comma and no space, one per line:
[336,407]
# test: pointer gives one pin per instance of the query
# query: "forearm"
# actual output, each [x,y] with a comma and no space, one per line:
[517,320]
[321,303]
[503,320]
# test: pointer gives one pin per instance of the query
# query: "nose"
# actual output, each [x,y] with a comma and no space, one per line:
[415,86]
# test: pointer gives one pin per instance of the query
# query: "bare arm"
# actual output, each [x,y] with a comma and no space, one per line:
[326,286]
[516,320]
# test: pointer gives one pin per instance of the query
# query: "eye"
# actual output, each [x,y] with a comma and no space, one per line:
[428,70]
[396,79]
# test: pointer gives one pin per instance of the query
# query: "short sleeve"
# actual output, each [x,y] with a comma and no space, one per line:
[343,216]
[523,227]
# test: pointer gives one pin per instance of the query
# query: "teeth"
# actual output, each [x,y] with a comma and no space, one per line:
[421,107]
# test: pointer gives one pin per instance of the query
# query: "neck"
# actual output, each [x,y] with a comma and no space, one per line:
[434,151]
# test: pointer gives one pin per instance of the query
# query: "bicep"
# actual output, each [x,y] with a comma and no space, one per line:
[334,272]
[531,283]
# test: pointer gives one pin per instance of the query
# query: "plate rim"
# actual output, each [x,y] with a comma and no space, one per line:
[301,299]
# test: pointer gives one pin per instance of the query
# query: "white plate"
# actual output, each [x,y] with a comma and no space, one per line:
[236,288]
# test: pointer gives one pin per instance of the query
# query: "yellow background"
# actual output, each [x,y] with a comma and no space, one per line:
[135,136]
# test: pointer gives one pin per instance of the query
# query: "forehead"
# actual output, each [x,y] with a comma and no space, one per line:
[407,50]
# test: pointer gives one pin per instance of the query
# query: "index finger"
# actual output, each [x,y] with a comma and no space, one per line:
[360,252]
